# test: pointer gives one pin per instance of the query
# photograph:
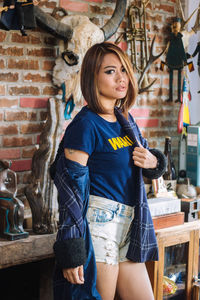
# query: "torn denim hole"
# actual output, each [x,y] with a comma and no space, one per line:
[111,253]
[111,248]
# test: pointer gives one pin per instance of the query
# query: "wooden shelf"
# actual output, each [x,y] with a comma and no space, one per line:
[33,248]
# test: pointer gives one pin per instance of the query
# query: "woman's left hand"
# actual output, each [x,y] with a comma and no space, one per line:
[143,158]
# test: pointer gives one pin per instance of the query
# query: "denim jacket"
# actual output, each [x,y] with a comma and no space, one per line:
[73,246]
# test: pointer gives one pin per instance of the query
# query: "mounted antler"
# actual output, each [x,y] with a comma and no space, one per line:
[184,21]
[136,34]
[64,32]
[188,33]
[196,26]
[145,2]
[151,60]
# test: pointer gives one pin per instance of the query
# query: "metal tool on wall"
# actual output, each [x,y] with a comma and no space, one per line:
[136,34]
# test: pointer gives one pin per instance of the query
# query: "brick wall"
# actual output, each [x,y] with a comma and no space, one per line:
[26,83]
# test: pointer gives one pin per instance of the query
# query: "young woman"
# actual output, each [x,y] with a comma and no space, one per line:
[101,161]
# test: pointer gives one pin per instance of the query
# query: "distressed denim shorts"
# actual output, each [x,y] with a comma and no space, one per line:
[109,223]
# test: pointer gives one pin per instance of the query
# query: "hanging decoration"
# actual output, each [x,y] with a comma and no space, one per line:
[184,114]
[176,57]
[69,103]
[136,34]
[18,15]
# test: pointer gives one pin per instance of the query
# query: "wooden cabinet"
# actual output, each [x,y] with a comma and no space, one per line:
[186,235]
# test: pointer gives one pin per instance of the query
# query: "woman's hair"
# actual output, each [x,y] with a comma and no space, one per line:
[89,71]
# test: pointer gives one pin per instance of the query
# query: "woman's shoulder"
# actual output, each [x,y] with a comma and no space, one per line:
[84,115]
[80,134]
[83,121]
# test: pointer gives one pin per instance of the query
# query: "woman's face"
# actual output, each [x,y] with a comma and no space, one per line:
[112,79]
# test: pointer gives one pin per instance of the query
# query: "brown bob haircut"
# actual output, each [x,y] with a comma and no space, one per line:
[90,68]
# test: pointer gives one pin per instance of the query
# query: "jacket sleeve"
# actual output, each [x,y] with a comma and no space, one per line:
[69,247]
[161,159]
[160,168]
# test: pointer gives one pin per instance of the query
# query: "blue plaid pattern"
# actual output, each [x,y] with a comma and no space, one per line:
[71,214]
[72,182]
[143,244]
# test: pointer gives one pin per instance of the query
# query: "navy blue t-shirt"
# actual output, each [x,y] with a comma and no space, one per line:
[110,163]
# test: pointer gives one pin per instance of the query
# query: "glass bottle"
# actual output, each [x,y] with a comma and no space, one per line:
[170,173]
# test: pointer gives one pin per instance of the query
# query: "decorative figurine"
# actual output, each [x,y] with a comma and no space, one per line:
[18,15]
[11,208]
[175,57]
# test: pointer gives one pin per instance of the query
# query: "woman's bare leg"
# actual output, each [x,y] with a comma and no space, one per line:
[107,280]
[133,282]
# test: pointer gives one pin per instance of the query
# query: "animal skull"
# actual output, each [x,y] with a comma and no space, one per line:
[77,34]
[85,34]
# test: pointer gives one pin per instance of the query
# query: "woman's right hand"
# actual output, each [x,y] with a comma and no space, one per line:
[74,275]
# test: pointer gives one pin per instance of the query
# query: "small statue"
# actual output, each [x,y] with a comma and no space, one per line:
[11,208]
[19,15]
[175,57]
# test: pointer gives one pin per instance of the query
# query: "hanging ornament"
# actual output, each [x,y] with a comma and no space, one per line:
[184,114]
